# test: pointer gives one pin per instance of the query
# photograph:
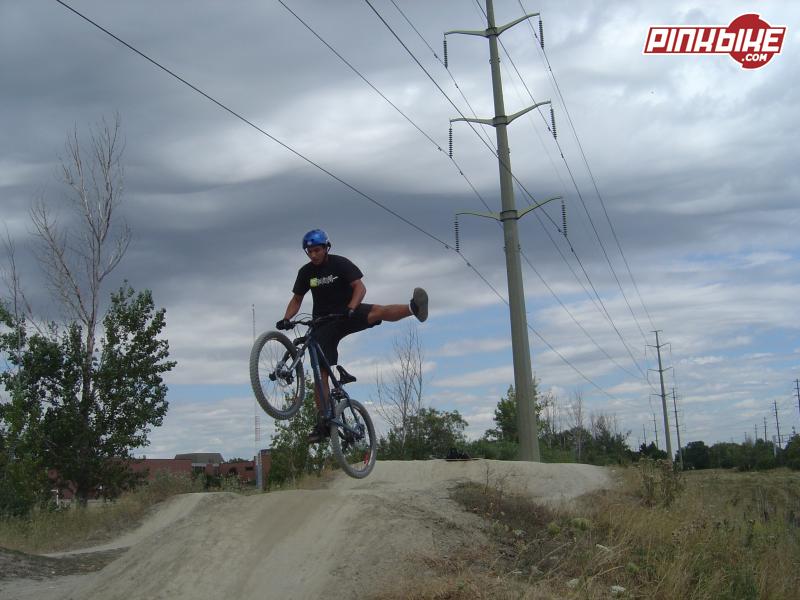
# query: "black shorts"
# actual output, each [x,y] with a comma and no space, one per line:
[330,334]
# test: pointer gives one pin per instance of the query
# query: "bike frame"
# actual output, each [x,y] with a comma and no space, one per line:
[318,362]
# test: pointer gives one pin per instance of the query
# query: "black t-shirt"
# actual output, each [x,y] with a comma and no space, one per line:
[329,284]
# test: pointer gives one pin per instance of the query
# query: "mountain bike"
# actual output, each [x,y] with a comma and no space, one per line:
[278,380]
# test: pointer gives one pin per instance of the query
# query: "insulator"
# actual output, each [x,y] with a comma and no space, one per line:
[444,44]
[541,33]
[451,141]
[458,240]
[564,218]
[553,122]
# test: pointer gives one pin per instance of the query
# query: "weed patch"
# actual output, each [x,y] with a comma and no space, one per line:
[658,534]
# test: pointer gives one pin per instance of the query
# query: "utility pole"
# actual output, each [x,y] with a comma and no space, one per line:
[765,429]
[755,433]
[644,435]
[655,429]
[677,429]
[777,422]
[797,389]
[663,397]
[523,377]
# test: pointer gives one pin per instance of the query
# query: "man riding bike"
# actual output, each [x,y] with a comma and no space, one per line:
[336,288]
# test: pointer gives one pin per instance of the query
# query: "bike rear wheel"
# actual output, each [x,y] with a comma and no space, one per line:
[354,444]
[278,389]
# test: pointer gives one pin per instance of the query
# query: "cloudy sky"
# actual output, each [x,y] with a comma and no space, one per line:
[691,159]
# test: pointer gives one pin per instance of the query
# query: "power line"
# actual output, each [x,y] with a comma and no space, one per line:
[577,189]
[589,170]
[254,126]
[327,172]
[416,60]
[438,147]
[530,197]
[436,56]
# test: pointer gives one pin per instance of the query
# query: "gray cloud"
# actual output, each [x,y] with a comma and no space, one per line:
[695,160]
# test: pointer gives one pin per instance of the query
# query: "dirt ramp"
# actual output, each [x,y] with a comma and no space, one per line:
[282,545]
[164,515]
[352,540]
[541,481]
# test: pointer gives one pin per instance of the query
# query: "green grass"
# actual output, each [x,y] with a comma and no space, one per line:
[707,534]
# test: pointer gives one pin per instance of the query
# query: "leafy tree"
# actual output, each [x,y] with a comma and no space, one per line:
[606,445]
[78,403]
[792,452]
[725,455]
[756,456]
[84,423]
[292,456]
[696,455]
[494,450]
[23,480]
[652,451]
[505,416]
[431,433]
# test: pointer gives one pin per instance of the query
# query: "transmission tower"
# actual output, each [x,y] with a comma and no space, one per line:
[677,428]
[797,389]
[663,396]
[777,422]
[523,377]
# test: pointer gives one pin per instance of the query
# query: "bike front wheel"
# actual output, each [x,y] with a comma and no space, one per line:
[353,440]
[279,389]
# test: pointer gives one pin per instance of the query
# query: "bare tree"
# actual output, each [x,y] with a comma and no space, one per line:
[549,414]
[78,260]
[577,416]
[400,396]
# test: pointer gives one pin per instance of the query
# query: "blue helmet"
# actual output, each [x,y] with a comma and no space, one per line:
[316,237]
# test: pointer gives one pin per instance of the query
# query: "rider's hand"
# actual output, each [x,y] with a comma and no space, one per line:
[283,324]
[351,312]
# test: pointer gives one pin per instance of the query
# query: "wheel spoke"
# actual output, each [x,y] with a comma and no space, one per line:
[355,445]
[278,389]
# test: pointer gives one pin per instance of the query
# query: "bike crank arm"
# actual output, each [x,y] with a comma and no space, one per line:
[344,427]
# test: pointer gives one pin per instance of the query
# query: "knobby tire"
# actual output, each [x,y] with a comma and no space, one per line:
[361,467]
[264,356]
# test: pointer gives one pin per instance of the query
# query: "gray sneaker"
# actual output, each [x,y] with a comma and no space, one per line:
[419,304]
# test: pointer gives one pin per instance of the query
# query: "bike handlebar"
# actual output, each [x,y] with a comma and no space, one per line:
[315,321]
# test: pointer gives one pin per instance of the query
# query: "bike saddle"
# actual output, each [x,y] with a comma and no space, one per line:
[344,376]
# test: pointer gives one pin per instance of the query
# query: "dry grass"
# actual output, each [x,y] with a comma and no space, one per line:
[56,530]
[708,534]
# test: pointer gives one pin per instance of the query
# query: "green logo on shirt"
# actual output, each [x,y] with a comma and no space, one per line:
[318,281]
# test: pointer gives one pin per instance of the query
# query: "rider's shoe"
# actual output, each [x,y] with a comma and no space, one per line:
[419,304]
[318,434]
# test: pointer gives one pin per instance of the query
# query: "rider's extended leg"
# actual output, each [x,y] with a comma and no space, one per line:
[418,306]
[388,312]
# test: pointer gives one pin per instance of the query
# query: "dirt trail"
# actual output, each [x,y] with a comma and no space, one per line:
[348,540]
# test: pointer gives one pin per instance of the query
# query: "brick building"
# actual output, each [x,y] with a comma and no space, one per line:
[211,464]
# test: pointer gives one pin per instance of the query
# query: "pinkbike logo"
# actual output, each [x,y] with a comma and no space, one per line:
[749,40]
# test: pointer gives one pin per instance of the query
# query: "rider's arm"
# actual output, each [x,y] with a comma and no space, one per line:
[359,291]
[294,306]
